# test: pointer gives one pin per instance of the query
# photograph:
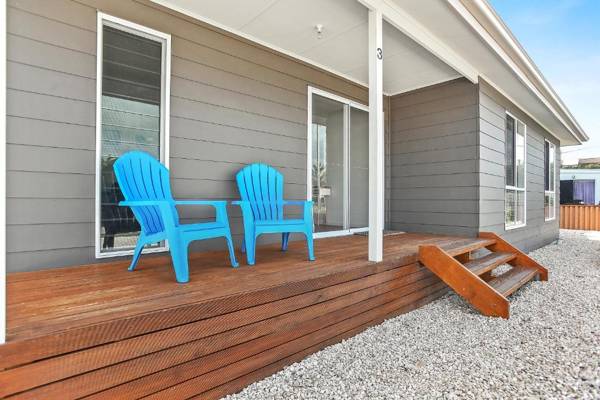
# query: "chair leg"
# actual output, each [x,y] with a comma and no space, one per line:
[137,253]
[234,263]
[243,245]
[179,256]
[251,250]
[309,244]
[284,241]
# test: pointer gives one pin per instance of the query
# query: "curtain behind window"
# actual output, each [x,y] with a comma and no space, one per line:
[584,189]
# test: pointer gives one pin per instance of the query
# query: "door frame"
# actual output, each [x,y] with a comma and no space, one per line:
[351,103]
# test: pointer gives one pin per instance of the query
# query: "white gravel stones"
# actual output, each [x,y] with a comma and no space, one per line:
[549,348]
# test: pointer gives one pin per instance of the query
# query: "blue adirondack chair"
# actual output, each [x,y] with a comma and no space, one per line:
[144,182]
[261,190]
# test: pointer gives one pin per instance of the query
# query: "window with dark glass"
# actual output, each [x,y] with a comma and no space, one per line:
[515,193]
[131,108]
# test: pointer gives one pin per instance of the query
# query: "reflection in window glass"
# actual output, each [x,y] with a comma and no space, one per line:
[131,108]
[520,155]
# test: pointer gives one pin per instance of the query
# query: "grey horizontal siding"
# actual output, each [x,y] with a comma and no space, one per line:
[434,148]
[492,114]
[232,103]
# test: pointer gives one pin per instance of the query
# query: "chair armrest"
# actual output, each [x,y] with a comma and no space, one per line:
[306,204]
[214,203]
[219,205]
[246,207]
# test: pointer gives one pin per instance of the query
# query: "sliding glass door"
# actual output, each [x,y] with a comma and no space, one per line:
[339,160]
[358,171]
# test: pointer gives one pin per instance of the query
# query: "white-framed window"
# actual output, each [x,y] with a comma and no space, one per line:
[549,181]
[132,113]
[515,207]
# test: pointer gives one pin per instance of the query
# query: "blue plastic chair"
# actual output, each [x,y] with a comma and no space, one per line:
[261,190]
[144,182]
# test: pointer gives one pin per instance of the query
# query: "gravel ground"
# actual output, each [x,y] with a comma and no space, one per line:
[549,348]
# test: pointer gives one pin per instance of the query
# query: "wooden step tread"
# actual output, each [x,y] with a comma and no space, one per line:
[510,281]
[481,265]
[473,245]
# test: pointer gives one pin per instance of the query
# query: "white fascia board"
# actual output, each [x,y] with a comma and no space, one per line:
[420,34]
[499,89]
[493,44]
[493,17]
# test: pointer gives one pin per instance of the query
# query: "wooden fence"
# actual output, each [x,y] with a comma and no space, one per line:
[581,217]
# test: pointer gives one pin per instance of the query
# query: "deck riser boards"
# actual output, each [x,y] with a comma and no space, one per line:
[213,336]
[126,361]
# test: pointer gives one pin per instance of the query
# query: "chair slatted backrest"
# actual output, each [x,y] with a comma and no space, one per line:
[142,177]
[262,186]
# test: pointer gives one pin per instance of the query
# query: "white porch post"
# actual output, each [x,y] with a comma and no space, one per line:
[376,137]
[3,172]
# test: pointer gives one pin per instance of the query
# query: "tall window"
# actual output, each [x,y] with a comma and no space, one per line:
[549,181]
[131,114]
[515,194]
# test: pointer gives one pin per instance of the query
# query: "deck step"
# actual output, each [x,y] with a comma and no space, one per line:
[508,283]
[472,279]
[472,245]
[480,266]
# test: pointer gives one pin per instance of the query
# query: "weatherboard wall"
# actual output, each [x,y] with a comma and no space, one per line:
[232,103]
[492,121]
[434,149]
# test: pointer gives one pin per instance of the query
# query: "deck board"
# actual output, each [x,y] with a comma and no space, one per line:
[101,331]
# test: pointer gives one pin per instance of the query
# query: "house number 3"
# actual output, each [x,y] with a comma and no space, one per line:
[379,53]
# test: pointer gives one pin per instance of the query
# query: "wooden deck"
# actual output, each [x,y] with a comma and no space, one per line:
[101,331]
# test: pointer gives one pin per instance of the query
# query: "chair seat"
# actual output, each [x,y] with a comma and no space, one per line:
[279,222]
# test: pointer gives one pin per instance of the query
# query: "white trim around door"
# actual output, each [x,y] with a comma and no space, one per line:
[309,158]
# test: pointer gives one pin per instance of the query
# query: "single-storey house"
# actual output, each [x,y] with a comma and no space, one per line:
[422,117]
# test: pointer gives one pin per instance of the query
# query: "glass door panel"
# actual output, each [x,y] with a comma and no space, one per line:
[358,170]
[328,164]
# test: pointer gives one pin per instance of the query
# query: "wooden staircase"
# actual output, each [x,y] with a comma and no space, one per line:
[472,278]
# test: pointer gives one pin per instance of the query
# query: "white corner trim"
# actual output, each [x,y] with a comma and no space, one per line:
[420,34]
[3,99]
[237,32]
[165,39]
